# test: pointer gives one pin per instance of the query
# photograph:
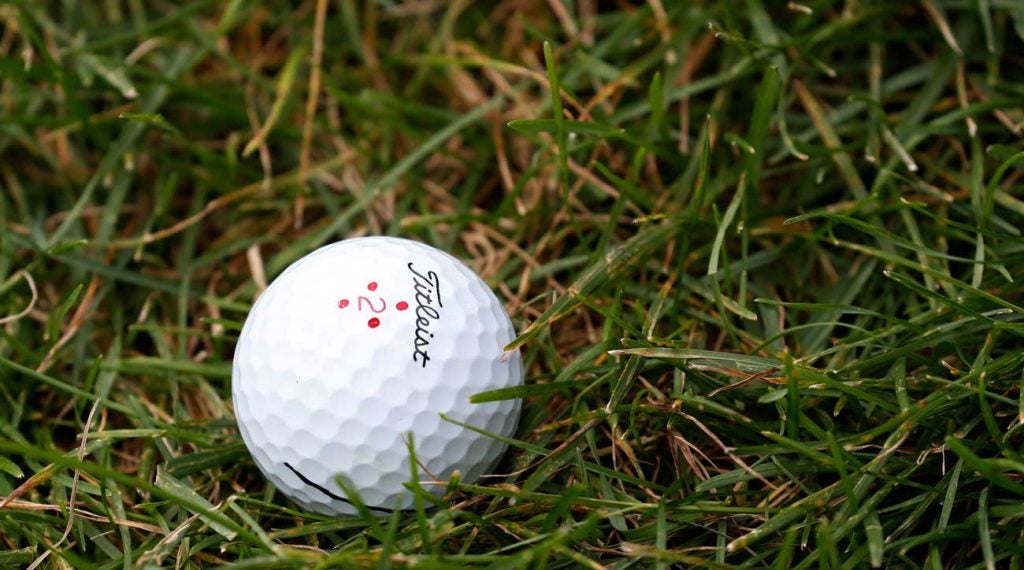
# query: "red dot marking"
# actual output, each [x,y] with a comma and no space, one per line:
[402,305]
[342,303]
[372,286]
[373,323]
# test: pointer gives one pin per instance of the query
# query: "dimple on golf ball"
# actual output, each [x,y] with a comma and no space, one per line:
[357,345]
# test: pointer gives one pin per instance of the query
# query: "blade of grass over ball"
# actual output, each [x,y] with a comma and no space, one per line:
[414,481]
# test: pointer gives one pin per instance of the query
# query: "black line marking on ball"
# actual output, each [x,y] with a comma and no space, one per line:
[327,492]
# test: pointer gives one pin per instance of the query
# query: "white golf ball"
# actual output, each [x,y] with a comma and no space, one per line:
[358,344]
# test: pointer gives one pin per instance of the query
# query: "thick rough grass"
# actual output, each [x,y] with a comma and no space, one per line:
[765,258]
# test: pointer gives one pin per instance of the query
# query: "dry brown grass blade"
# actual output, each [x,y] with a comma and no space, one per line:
[831,139]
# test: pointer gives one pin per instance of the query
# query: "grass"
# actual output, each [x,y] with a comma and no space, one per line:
[764,258]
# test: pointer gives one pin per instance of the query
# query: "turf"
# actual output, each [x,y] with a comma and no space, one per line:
[764,257]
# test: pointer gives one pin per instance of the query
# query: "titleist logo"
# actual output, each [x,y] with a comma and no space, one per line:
[428,294]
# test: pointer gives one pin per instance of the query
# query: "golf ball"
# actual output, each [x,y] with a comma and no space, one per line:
[354,347]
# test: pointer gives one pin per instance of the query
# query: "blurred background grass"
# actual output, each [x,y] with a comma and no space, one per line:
[765,258]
